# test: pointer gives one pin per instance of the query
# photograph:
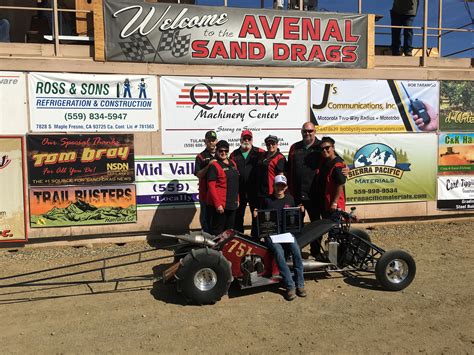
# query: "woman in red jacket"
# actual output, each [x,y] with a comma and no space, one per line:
[222,189]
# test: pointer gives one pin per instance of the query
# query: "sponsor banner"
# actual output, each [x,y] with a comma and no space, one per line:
[13,103]
[92,103]
[455,193]
[371,106]
[12,201]
[456,105]
[456,154]
[389,168]
[165,182]
[82,205]
[80,159]
[173,33]
[194,105]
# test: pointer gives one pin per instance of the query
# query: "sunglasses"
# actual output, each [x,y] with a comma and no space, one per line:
[270,143]
[326,148]
[309,131]
[246,138]
[223,151]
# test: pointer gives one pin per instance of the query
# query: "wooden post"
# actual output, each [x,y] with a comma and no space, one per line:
[425,34]
[99,34]
[371,41]
[82,26]
[56,28]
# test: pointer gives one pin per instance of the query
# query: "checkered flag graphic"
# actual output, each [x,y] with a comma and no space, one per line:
[167,40]
[137,47]
[181,45]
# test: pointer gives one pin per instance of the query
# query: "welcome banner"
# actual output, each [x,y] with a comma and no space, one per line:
[12,202]
[374,106]
[82,205]
[92,103]
[389,168]
[193,105]
[187,34]
[165,182]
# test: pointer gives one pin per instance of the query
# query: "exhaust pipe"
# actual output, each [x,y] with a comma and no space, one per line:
[193,239]
[311,265]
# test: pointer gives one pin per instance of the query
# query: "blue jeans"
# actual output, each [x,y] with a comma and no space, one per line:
[279,254]
[4,30]
[402,20]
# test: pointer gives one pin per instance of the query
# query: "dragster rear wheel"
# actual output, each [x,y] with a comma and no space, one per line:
[204,277]
[395,270]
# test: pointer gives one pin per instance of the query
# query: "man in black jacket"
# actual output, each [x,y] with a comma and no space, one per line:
[246,158]
[303,161]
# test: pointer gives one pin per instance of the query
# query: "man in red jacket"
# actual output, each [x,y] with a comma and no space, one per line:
[272,163]
[246,158]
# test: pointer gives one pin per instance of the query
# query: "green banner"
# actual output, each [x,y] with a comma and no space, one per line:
[456,154]
[389,167]
[456,106]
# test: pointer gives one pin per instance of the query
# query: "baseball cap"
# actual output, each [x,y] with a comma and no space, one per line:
[280,179]
[210,135]
[271,138]
[222,144]
[246,133]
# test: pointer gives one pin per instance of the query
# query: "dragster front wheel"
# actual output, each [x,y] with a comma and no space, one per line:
[204,277]
[395,270]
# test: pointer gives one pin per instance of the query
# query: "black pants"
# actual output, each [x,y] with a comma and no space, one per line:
[240,213]
[313,209]
[402,20]
[222,221]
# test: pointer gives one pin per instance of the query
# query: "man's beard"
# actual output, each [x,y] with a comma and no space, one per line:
[246,146]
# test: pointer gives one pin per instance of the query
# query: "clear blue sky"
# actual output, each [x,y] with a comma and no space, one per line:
[454,13]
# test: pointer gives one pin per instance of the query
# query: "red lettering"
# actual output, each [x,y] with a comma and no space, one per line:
[270,31]
[249,27]
[290,28]
[332,30]
[218,49]
[349,54]
[256,50]
[297,52]
[333,53]
[310,30]
[280,51]
[348,30]
[238,50]
[316,52]
[199,49]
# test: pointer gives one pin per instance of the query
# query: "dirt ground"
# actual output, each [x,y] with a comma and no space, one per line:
[340,315]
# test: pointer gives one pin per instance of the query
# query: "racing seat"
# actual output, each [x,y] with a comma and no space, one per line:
[313,230]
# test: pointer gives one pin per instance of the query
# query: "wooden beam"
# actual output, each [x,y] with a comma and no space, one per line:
[371,42]
[99,34]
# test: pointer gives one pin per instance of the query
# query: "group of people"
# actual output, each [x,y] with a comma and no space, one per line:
[313,178]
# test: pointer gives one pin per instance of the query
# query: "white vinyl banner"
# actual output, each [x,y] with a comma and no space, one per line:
[92,103]
[374,106]
[13,118]
[193,105]
[456,192]
[165,182]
